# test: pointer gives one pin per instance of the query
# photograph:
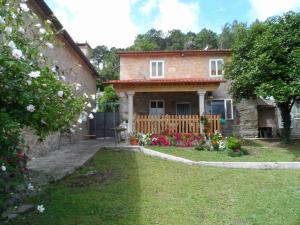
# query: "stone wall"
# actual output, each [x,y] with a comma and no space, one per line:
[248,118]
[75,70]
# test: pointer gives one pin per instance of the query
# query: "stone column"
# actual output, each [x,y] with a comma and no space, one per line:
[130,111]
[201,94]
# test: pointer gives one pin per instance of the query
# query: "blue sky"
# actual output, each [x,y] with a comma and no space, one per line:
[117,22]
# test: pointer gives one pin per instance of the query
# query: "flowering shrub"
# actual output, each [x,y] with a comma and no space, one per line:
[167,138]
[32,92]
[143,139]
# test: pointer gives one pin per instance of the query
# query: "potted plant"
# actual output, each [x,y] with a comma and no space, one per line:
[133,139]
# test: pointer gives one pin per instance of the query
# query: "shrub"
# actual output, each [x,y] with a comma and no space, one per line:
[235,148]
[238,153]
[33,93]
[233,144]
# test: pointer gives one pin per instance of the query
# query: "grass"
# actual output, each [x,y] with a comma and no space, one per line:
[132,188]
[259,151]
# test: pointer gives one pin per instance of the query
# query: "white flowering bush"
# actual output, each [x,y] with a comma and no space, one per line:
[32,93]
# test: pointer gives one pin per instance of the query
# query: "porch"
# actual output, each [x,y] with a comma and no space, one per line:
[152,105]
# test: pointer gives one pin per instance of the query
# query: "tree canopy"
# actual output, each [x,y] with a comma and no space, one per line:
[266,62]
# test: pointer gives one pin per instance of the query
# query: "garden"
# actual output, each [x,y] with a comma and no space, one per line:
[199,147]
[119,187]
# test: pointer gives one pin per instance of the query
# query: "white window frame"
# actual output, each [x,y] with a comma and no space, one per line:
[225,107]
[157,100]
[216,60]
[187,103]
[163,69]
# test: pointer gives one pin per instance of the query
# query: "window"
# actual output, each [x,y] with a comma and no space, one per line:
[221,107]
[296,110]
[216,67]
[157,107]
[157,69]
[183,108]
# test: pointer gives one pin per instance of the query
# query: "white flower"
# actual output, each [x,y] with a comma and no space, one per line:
[85,95]
[3,168]
[53,69]
[79,120]
[30,108]
[12,45]
[17,53]
[78,85]
[63,78]
[72,130]
[29,82]
[42,31]
[40,208]
[49,45]
[60,93]
[89,105]
[2,21]
[35,74]
[93,97]
[30,187]
[8,30]
[91,116]
[38,25]
[21,30]
[24,7]
[94,110]
[13,16]
[48,22]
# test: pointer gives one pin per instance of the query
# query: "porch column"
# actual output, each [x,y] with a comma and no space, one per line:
[130,111]
[201,94]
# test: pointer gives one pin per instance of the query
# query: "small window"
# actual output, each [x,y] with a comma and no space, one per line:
[157,69]
[157,107]
[216,67]
[221,107]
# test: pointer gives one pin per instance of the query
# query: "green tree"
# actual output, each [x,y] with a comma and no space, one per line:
[266,62]
[107,102]
[228,34]
[98,55]
[175,40]
[151,40]
[107,62]
[206,38]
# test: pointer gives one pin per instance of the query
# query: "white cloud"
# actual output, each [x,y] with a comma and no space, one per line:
[98,22]
[148,6]
[173,14]
[263,9]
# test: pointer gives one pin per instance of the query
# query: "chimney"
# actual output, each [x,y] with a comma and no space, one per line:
[85,48]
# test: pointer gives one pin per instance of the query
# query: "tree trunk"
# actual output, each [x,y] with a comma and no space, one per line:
[286,119]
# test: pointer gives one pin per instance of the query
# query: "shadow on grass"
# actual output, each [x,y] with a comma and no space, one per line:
[105,191]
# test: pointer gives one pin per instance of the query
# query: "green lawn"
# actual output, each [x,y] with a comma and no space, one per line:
[260,151]
[136,189]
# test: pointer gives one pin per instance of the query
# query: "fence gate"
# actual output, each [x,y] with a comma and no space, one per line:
[104,124]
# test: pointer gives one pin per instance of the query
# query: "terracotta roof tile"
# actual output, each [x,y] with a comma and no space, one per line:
[167,81]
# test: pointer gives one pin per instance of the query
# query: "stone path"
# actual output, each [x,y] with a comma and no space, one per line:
[57,164]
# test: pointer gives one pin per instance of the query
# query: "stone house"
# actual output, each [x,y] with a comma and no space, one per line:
[190,82]
[71,62]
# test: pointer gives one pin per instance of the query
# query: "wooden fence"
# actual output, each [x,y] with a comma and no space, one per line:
[179,123]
